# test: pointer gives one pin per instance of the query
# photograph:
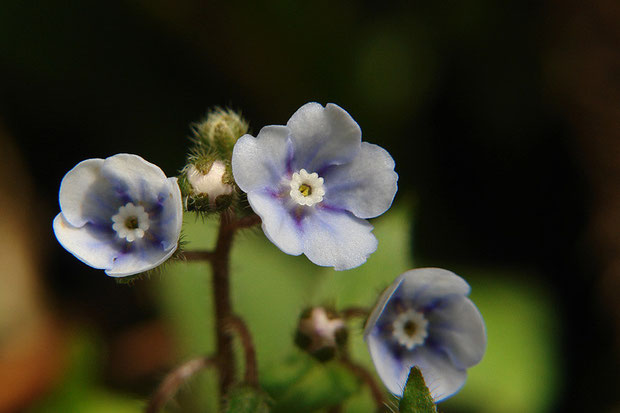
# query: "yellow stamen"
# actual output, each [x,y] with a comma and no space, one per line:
[305,190]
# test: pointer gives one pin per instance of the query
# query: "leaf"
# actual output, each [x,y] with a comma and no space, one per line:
[306,385]
[247,400]
[416,397]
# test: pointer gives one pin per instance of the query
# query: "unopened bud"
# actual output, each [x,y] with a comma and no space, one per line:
[321,333]
[209,188]
[220,130]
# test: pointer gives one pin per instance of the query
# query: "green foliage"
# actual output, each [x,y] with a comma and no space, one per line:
[247,400]
[303,384]
[416,397]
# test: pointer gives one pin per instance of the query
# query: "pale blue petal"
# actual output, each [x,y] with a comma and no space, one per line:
[392,372]
[442,378]
[133,178]
[262,161]
[323,136]
[457,327]
[278,224]
[84,193]
[337,239]
[365,186]
[92,247]
[140,259]
[167,215]
[379,307]
[422,286]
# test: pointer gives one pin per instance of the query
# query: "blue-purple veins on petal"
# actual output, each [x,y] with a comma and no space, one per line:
[294,165]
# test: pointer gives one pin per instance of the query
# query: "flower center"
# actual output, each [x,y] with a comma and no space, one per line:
[306,189]
[410,329]
[130,222]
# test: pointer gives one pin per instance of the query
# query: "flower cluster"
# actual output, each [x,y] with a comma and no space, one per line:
[121,214]
[314,183]
[425,319]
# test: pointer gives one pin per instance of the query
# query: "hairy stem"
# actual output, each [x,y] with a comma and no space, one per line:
[224,358]
[175,379]
[220,263]
[248,221]
[368,379]
[198,255]
[251,370]
[354,312]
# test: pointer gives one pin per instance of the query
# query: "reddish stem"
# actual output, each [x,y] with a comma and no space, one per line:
[223,307]
[367,378]
[251,371]
[171,383]
[198,255]
[353,312]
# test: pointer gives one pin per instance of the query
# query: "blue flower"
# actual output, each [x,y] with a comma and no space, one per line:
[314,183]
[424,319]
[120,214]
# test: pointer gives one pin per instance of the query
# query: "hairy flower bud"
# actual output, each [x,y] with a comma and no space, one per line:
[208,187]
[220,130]
[321,332]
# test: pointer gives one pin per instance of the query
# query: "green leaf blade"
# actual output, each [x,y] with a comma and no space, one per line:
[416,396]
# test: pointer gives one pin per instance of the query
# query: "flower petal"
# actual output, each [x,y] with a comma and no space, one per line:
[278,224]
[81,193]
[393,372]
[262,161]
[169,215]
[365,186]
[133,177]
[337,239]
[138,260]
[93,249]
[380,306]
[442,377]
[457,327]
[422,286]
[323,136]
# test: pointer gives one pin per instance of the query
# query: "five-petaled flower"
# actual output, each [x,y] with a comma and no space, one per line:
[425,319]
[314,183]
[121,214]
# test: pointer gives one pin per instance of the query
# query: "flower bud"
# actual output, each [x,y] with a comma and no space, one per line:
[220,131]
[208,188]
[321,332]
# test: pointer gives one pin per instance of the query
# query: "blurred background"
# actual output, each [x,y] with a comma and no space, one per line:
[503,119]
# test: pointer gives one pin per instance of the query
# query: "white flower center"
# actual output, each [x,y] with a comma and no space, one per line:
[131,221]
[409,329]
[306,189]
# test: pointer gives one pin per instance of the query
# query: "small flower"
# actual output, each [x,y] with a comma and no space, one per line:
[425,319]
[120,214]
[314,183]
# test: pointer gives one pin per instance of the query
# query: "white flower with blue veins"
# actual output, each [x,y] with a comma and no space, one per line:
[314,183]
[425,319]
[121,214]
